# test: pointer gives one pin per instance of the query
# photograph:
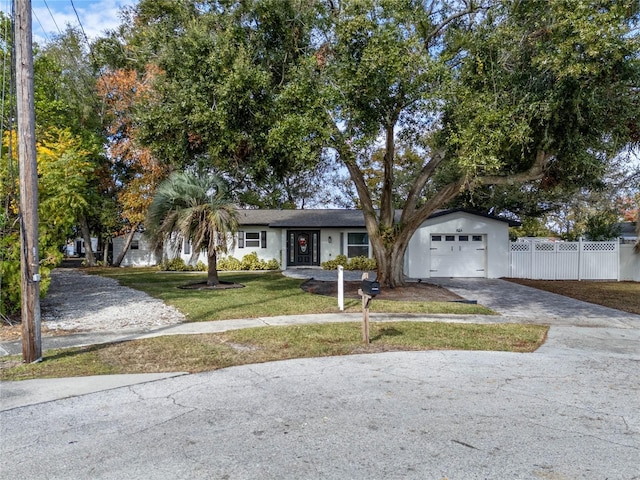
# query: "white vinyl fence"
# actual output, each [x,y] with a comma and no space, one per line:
[543,260]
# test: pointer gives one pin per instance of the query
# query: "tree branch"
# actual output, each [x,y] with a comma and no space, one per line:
[419,183]
[535,172]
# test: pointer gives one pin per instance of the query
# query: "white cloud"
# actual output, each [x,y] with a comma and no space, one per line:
[96,16]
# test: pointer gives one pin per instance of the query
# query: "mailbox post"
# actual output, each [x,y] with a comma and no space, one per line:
[367,291]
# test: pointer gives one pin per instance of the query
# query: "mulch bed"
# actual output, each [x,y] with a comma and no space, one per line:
[204,286]
[412,292]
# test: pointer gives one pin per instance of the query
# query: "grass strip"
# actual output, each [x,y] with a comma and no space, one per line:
[204,352]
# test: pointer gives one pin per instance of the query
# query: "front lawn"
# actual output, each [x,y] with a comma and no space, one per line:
[265,294]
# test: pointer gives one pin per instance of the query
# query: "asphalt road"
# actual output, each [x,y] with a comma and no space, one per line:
[571,410]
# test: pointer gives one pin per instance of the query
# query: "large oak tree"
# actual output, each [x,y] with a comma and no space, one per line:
[477,92]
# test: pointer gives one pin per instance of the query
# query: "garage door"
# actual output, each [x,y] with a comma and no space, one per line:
[458,255]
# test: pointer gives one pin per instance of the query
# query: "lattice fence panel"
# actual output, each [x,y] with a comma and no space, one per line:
[565,260]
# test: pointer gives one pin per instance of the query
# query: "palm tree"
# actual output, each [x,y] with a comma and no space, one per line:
[197,209]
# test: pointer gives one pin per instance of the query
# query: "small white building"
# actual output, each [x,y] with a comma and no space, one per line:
[459,243]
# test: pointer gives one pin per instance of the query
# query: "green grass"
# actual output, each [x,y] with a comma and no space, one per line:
[197,353]
[265,294]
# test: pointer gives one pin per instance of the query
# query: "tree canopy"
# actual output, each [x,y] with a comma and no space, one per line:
[422,103]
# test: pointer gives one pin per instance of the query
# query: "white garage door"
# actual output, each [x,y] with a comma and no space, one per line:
[458,255]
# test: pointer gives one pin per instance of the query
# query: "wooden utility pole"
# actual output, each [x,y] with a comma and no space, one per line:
[29,257]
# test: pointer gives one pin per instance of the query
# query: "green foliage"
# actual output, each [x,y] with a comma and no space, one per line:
[356,263]
[175,265]
[252,262]
[248,262]
[335,263]
[229,264]
[603,226]
[531,227]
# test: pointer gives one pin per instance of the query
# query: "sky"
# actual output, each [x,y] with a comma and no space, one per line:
[50,17]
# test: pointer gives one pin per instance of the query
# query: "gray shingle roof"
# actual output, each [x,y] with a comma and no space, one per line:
[324,218]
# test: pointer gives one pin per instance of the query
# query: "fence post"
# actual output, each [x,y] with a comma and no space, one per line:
[580,247]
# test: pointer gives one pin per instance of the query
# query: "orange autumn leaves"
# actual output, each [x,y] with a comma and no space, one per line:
[138,171]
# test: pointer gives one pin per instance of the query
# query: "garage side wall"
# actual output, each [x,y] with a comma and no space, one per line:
[418,260]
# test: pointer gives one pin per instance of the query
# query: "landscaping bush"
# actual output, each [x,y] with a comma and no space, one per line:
[272,264]
[252,262]
[355,263]
[248,262]
[229,264]
[333,264]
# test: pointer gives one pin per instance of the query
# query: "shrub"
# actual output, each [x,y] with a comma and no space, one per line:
[356,263]
[229,264]
[362,263]
[252,262]
[175,265]
[333,264]
[272,264]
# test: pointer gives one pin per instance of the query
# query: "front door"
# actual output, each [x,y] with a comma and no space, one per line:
[303,248]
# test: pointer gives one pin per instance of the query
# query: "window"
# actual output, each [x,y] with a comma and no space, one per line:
[436,238]
[135,245]
[252,239]
[357,245]
[463,238]
[449,238]
[476,238]
[186,244]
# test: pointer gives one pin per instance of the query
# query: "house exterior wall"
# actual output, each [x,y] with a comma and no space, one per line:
[143,256]
[496,233]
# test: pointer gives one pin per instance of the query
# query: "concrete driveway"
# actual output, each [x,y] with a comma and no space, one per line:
[571,410]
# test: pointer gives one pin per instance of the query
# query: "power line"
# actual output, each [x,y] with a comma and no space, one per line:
[52,17]
[80,23]
[44,32]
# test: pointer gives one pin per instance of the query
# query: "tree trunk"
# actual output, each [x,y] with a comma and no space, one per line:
[105,251]
[125,247]
[90,259]
[212,268]
[390,260]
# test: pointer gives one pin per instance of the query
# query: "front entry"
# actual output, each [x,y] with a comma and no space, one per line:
[303,248]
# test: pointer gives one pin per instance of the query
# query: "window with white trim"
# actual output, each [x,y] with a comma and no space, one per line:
[252,239]
[357,245]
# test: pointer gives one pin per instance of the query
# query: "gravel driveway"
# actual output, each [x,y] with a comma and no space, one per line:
[91,303]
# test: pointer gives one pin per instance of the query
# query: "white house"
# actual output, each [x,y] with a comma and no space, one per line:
[451,243]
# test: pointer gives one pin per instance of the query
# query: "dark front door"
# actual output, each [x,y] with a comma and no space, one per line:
[303,248]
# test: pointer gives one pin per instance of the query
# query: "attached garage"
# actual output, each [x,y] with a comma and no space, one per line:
[459,243]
